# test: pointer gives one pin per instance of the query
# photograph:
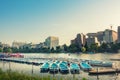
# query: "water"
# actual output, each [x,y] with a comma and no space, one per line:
[24,68]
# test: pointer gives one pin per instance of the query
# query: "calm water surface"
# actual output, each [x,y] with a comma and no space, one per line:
[24,68]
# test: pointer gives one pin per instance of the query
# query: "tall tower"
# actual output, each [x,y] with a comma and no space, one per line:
[79,40]
[118,34]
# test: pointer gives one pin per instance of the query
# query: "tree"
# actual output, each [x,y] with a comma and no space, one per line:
[86,46]
[52,50]
[65,48]
[58,49]
[1,50]
[83,49]
[7,50]
[73,48]
[94,47]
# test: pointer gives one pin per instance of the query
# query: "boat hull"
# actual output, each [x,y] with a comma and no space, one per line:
[44,70]
[75,71]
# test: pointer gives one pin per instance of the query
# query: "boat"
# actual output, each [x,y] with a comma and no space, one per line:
[74,68]
[100,63]
[57,62]
[65,63]
[85,66]
[53,68]
[3,55]
[44,67]
[63,68]
[17,55]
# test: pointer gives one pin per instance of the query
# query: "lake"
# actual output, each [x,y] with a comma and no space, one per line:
[25,68]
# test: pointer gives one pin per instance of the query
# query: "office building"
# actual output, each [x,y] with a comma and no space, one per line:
[79,40]
[52,42]
[110,36]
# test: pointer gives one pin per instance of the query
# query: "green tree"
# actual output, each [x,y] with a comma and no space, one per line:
[58,49]
[7,50]
[83,49]
[65,48]
[94,47]
[52,50]
[73,48]
[1,50]
[86,46]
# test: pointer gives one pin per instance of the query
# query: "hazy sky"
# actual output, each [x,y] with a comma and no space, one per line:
[35,20]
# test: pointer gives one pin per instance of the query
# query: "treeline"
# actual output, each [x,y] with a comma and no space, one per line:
[105,47]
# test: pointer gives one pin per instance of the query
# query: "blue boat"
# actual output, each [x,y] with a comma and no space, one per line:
[53,68]
[85,66]
[63,68]
[44,67]
[65,63]
[74,68]
[57,62]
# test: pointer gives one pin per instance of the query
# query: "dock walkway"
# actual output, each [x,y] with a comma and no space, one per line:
[104,71]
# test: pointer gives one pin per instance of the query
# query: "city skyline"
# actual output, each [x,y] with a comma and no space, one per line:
[34,20]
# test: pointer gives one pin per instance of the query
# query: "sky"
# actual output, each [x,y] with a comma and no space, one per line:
[35,20]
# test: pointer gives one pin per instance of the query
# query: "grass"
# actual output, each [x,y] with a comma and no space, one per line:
[9,75]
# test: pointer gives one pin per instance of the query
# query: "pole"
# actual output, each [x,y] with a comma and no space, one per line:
[3,62]
[9,66]
[32,67]
[97,74]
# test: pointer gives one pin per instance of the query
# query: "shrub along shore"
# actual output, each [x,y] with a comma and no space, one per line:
[9,75]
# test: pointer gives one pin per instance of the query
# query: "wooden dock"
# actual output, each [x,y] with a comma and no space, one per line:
[104,71]
[115,59]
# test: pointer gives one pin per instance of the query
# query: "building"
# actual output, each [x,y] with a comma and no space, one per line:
[118,34]
[92,40]
[2,45]
[92,34]
[110,36]
[40,45]
[99,36]
[52,42]
[79,40]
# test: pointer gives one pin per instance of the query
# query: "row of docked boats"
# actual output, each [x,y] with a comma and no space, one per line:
[55,67]
[64,67]
[74,68]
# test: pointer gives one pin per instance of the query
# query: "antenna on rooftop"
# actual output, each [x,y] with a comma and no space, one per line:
[111,27]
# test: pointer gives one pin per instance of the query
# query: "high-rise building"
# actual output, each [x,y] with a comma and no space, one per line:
[100,35]
[118,34]
[91,34]
[92,40]
[79,40]
[110,36]
[52,42]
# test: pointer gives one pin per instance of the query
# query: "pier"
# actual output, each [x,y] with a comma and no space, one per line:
[104,71]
